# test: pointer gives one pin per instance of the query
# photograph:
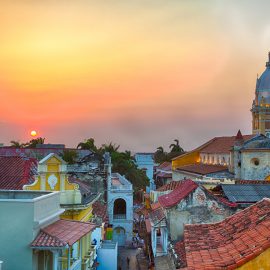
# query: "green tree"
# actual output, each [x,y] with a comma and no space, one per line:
[34,142]
[69,156]
[88,144]
[111,148]
[175,147]
[17,144]
[160,156]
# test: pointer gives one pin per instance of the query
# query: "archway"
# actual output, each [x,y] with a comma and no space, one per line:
[119,209]
[119,235]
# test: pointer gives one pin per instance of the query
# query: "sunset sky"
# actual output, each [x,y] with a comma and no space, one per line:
[137,73]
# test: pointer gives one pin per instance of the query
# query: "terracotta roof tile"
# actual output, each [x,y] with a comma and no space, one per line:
[222,144]
[62,233]
[174,197]
[15,172]
[155,206]
[202,169]
[170,186]
[157,215]
[230,243]
[164,175]
[165,166]
[100,210]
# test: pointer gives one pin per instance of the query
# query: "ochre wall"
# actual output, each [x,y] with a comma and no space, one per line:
[261,262]
[189,158]
[80,215]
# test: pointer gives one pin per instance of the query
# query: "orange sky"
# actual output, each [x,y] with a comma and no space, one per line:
[138,73]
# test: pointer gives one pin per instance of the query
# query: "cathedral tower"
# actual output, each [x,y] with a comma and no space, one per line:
[261,104]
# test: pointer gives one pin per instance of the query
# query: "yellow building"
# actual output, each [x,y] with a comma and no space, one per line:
[66,245]
[75,195]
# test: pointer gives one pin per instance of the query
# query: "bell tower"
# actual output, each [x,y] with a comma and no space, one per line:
[261,104]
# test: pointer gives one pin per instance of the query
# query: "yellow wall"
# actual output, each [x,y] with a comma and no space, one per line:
[53,167]
[186,159]
[80,215]
[262,262]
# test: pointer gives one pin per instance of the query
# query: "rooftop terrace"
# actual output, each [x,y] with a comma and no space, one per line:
[21,194]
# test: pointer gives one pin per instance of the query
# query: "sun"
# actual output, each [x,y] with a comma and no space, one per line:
[33,133]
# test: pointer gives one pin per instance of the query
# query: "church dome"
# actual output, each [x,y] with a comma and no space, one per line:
[263,85]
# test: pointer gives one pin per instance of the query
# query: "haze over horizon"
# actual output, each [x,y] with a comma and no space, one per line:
[136,73]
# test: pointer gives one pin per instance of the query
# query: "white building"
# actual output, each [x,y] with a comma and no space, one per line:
[120,208]
[107,256]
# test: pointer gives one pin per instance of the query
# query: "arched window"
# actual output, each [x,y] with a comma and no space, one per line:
[119,209]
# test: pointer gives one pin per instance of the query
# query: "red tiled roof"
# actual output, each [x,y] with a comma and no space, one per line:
[62,233]
[170,186]
[222,144]
[174,197]
[230,243]
[143,211]
[157,215]
[100,210]
[15,172]
[202,169]
[164,175]
[165,166]
[155,206]
[83,186]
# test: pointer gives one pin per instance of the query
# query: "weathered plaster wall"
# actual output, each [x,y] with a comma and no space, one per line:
[250,171]
[198,208]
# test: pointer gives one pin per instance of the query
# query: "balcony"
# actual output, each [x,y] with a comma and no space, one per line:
[120,217]
[75,263]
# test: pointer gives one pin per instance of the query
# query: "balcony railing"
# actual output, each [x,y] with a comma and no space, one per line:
[75,264]
[119,216]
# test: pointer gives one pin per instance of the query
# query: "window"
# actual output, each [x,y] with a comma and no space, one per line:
[255,161]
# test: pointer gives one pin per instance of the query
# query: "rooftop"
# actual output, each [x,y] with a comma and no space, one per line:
[15,172]
[178,194]
[202,169]
[246,193]
[21,194]
[120,182]
[222,144]
[165,166]
[62,233]
[230,243]
[170,186]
